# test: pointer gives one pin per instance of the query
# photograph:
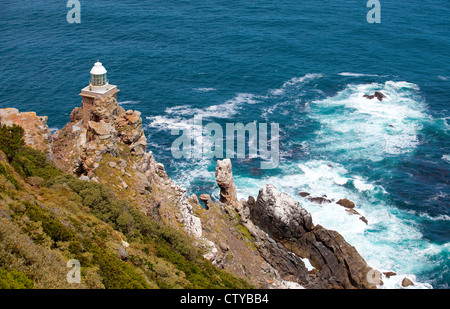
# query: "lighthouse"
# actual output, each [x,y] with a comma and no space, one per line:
[98,89]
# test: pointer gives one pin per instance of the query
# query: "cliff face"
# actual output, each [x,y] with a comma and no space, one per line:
[264,240]
[111,149]
[37,133]
[337,264]
[283,235]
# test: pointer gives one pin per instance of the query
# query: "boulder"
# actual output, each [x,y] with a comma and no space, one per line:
[102,130]
[406,282]
[346,203]
[389,274]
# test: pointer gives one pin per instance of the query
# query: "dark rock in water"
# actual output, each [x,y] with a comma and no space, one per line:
[352,211]
[338,264]
[406,282]
[319,200]
[377,95]
[389,274]
[346,203]
[363,219]
[303,194]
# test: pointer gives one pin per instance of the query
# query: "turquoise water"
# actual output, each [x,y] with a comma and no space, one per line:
[302,64]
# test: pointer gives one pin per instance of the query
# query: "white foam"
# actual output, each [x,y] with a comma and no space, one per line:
[362,185]
[295,81]
[205,89]
[128,102]
[224,110]
[356,74]
[362,128]
[429,217]
[308,264]
[446,157]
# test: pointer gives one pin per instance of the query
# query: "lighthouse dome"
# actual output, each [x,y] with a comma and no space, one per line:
[98,69]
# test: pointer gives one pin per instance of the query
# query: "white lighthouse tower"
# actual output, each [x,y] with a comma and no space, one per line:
[99,88]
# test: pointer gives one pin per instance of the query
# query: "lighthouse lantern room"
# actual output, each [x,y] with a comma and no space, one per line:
[98,75]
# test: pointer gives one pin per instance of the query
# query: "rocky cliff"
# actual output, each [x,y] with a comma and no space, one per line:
[37,133]
[283,236]
[266,240]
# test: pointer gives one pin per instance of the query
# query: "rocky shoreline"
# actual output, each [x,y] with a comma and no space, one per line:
[265,240]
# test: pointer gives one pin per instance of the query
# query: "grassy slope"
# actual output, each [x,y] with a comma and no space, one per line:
[48,217]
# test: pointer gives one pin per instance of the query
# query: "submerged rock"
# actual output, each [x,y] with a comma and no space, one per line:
[319,200]
[377,95]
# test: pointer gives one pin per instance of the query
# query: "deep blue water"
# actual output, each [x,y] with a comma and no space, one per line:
[302,64]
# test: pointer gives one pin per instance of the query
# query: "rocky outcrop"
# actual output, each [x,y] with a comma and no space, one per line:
[36,131]
[111,130]
[338,264]
[248,254]
[225,181]
[377,95]
[346,203]
[279,235]
[206,199]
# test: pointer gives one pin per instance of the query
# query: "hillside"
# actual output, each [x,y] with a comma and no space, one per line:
[48,217]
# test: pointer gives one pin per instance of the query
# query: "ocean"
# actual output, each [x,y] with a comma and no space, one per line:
[302,64]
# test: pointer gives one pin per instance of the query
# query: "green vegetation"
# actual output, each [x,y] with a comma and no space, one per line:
[14,280]
[11,140]
[48,217]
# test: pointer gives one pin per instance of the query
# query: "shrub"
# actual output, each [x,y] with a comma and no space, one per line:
[117,274]
[8,176]
[11,140]
[52,227]
[30,162]
[14,280]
